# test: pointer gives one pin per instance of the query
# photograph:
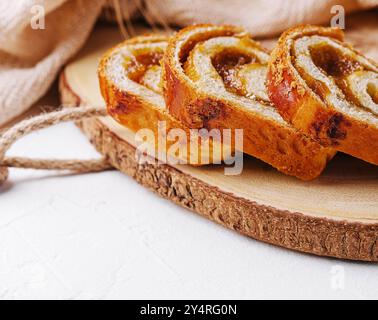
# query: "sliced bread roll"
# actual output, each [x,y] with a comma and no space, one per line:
[130,76]
[214,77]
[326,89]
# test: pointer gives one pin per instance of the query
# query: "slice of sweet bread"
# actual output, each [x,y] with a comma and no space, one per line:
[214,77]
[130,76]
[327,89]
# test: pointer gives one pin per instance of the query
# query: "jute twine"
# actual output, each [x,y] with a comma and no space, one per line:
[40,122]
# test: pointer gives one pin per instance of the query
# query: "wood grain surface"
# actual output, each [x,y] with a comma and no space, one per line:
[335,215]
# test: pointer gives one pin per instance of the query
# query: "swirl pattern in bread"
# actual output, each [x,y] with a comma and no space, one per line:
[214,77]
[327,89]
[130,76]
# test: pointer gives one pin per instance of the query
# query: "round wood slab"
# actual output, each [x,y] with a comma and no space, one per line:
[335,215]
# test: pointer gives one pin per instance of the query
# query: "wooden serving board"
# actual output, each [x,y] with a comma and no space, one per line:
[335,215]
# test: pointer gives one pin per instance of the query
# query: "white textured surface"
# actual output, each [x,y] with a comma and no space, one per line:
[104,236]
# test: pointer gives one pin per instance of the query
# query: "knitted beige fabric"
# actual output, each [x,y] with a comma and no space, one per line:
[30,59]
[260,17]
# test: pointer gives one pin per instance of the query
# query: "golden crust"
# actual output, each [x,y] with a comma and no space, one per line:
[307,111]
[270,140]
[125,107]
[136,105]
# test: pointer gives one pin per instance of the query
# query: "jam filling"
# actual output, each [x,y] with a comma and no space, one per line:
[227,63]
[333,62]
[141,64]
[372,90]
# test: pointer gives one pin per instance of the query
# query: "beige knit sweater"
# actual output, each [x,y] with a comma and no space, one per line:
[37,37]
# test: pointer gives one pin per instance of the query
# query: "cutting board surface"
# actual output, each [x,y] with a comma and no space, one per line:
[347,189]
[345,193]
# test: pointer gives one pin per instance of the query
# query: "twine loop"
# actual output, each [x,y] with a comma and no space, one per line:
[3,174]
[40,122]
